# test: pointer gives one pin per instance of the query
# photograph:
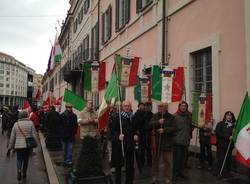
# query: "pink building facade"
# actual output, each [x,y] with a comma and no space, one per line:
[212,32]
[210,38]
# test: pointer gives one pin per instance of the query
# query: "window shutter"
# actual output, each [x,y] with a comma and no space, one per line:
[87,42]
[138,5]
[84,51]
[103,27]
[92,43]
[117,16]
[127,11]
[109,23]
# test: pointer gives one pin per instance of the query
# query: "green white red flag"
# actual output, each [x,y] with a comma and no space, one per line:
[94,76]
[127,70]
[202,108]
[167,84]
[242,133]
[111,94]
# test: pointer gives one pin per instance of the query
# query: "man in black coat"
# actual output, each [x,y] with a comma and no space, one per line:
[53,122]
[68,131]
[140,128]
[127,137]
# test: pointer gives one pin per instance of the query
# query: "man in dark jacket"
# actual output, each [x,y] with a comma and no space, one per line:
[127,137]
[12,118]
[53,122]
[68,131]
[148,116]
[140,123]
[164,128]
[182,138]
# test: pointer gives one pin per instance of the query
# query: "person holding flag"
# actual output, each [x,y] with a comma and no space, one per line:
[224,131]
[164,129]
[123,143]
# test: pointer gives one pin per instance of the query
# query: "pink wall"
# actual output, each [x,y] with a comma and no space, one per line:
[200,20]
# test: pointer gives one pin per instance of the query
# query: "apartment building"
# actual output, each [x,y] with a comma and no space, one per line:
[15,81]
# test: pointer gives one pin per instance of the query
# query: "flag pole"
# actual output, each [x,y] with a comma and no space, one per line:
[225,158]
[119,107]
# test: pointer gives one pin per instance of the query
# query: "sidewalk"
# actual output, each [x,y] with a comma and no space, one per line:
[36,173]
[196,176]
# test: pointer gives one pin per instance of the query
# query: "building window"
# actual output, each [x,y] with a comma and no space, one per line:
[122,13]
[1,71]
[142,4]
[94,42]
[106,25]
[7,85]
[1,85]
[86,6]
[80,16]
[86,48]
[75,25]
[202,70]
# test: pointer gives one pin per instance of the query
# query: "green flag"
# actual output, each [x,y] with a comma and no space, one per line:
[78,102]
[87,75]
[112,88]
[118,62]
[137,90]
[156,83]
[242,133]
[111,93]
[195,112]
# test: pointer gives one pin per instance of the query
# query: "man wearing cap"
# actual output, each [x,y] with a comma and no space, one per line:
[88,121]
[164,128]
[68,131]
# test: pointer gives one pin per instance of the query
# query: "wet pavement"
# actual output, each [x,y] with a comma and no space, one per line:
[195,176]
[36,173]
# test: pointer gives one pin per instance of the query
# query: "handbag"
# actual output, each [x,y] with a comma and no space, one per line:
[30,141]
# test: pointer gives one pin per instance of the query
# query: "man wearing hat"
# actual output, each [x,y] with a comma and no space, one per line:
[68,131]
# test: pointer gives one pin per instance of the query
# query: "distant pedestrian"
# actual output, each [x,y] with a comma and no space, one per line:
[34,117]
[12,118]
[22,129]
[68,131]
[224,131]
[5,118]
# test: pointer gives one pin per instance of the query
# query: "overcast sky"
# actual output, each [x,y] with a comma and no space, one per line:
[26,28]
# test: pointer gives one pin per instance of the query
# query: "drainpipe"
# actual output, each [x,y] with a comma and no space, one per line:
[98,32]
[163,59]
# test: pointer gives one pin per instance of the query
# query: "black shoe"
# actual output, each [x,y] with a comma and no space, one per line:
[183,176]
[24,175]
[19,175]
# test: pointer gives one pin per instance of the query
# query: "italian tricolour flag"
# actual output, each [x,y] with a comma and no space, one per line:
[242,133]
[110,94]
[167,84]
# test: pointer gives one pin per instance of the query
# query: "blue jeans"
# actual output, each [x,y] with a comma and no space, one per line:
[22,156]
[68,151]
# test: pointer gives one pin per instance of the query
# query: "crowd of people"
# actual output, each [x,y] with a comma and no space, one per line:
[141,139]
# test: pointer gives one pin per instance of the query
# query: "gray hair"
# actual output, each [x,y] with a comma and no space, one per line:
[23,114]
